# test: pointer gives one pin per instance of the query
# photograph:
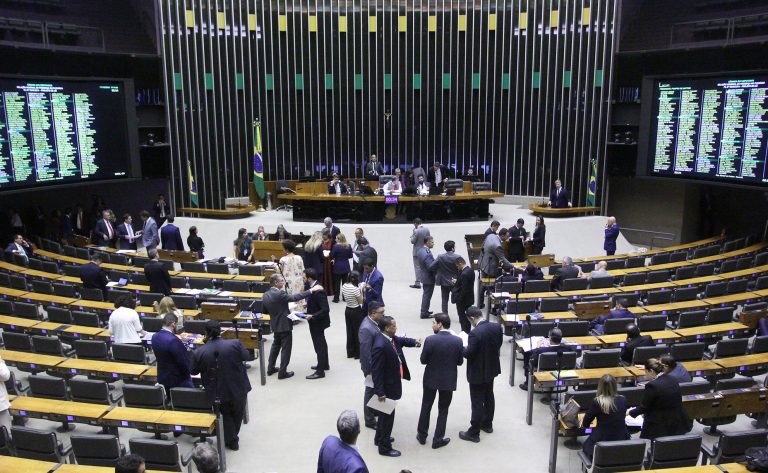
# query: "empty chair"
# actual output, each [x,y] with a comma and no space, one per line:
[5,280]
[537,286]
[701,252]
[705,269]
[695,387]
[574,328]
[93,391]
[178,282]
[26,310]
[730,447]
[88,319]
[692,318]
[661,275]
[732,245]
[35,264]
[117,258]
[642,354]
[684,272]
[554,304]
[601,358]
[601,283]
[761,259]
[687,351]
[42,287]
[731,347]
[191,400]
[139,278]
[152,324]
[83,253]
[48,346]
[760,345]
[64,290]
[538,329]
[196,326]
[720,315]
[614,326]
[115,275]
[761,283]
[728,266]
[744,262]
[661,258]
[243,286]
[551,361]
[149,298]
[91,294]
[200,283]
[586,267]
[185,302]
[71,270]
[674,451]
[48,387]
[157,454]
[17,341]
[658,297]
[39,445]
[146,397]
[6,307]
[622,455]
[737,286]
[635,279]
[193,267]
[97,449]
[574,284]
[636,262]
[251,270]
[139,261]
[129,353]
[114,294]
[715,289]
[683,294]
[522,306]
[652,323]
[739,382]
[217,268]
[69,251]
[91,349]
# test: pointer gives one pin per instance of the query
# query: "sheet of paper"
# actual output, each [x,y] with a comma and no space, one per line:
[528,344]
[369,381]
[112,284]
[225,293]
[634,421]
[387,406]
[464,336]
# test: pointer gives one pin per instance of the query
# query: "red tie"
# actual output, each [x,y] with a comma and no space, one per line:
[398,357]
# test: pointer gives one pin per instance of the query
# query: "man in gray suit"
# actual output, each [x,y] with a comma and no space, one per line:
[418,237]
[446,272]
[426,262]
[149,235]
[369,330]
[491,257]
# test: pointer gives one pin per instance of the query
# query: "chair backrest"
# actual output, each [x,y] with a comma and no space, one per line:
[720,315]
[250,270]
[641,354]
[64,290]
[695,387]
[82,253]
[42,287]
[47,345]
[715,289]
[761,283]
[634,279]
[139,278]
[26,310]
[602,358]
[115,275]
[574,328]
[740,382]
[48,387]
[551,361]
[554,304]
[117,258]
[148,397]
[96,449]
[737,286]
[583,398]
[692,318]
[88,319]
[178,282]
[69,251]
[675,451]
[91,349]
[89,390]
[190,399]
[149,298]
[71,270]
[139,261]
[685,272]
[616,264]
[661,258]
[631,299]
[537,286]
[686,293]
[745,262]
[152,324]
[128,353]
[760,344]
[17,341]
[91,294]
[614,326]
[732,445]
[59,315]
[688,351]
[636,262]
[761,259]
[6,307]
[193,267]
[195,326]
[200,283]
[623,455]
[659,297]
[36,444]
[705,269]
[157,454]
[634,394]
[218,268]
[522,306]
[574,284]
[601,283]
[731,347]
[185,302]
[236,286]
[652,323]
[755,306]
[660,275]
[728,265]
[114,294]
[587,267]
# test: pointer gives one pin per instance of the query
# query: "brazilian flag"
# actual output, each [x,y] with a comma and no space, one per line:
[592,186]
[258,164]
[192,186]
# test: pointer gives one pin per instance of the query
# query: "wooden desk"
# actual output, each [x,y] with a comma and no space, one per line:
[538,209]
[588,292]
[70,468]
[658,267]
[104,369]
[711,331]
[702,367]
[545,379]
[587,342]
[30,360]
[697,281]
[637,310]
[48,299]
[7,292]
[16,323]
[78,331]
[84,304]
[646,287]
[675,306]
[188,422]
[743,364]
[249,277]
[150,311]
[751,273]
[132,417]
[219,277]
[620,339]
[58,411]
[742,297]
[40,274]
[19,465]
[666,249]
[729,467]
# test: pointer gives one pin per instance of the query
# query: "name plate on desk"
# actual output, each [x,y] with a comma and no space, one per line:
[391,199]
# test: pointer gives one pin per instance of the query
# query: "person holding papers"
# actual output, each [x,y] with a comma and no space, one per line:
[609,409]
[388,369]
[662,404]
[319,318]
[126,237]
[531,357]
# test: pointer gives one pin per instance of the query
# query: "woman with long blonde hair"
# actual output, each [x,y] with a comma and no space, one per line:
[609,409]
[166,306]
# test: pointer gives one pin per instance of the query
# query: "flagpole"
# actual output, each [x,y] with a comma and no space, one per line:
[258,168]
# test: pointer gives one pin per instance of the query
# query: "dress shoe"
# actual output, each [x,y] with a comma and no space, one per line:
[469,437]
[523,386]
[233,446]
[428,316]
[430,312]
[415,286]
[271,371]
[487,430]
[441,443]
[316,375]
[391,439]
[422,439]
[315,368]
[389,453]
[285,375]
[372,425]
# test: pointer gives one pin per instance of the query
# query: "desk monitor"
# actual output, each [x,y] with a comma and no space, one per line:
[481,186]
[456,184]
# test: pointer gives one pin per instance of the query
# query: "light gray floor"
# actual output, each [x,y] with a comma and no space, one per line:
[290,418]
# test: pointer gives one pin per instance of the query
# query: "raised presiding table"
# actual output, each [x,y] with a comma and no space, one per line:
[58,411]
[539,209]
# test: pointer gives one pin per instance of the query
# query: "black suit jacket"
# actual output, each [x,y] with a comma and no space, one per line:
[332,188]
[220,364]
[629,347]
[317,305]
[443,353]
[464,290]
[431,175]
[171,238]
[93,276]
[369,168]
[158,277]
[566,272]
[385,365]
[482,353]
[101,228]
[156,210]
[275,302]
[367,255]
[662,406]
[122,242]
[516,245]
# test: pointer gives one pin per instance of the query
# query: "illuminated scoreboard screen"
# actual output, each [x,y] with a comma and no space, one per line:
[60,131]
[710,128]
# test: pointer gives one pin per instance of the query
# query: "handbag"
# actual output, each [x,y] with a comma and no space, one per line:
[570,414]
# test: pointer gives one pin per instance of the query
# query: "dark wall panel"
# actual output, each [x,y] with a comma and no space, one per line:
[518,89]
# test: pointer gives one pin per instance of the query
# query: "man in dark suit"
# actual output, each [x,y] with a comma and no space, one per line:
[369,330]
[463,292]
[491,258]
[531,357]
[328,222]
[611,234]
[426,274]
[66,224]
[446,272]
[170,236]
[662,404]
[157,274]
[93,276]
[161,210]
[517,236]
[443,352]
[619,311]
[221,364]
[372,286]
[18,246]
[104,232]
[339,454]
[437,175]
[319,318]
[559,197]
[567,271]
[79,221]
[172,357]
[388,369]
[126,237]
[482,354]
[634,340]
[492,229]
[373,169]
[275,302]
[366,254]
[336,187]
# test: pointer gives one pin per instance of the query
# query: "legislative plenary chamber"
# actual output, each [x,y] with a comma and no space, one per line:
[375,236]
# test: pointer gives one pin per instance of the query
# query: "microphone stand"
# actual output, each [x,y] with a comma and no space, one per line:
[213,374]
[554,408]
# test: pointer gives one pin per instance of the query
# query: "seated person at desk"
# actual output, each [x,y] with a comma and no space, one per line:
[470,175]
[422,186]
[18,246]
[280,234]
[336,187]
[93,276]
[260,234]
[552,345]
[171,354]
[662,404]
[609,409]
[567,271]
[675,370]
[393,187]
[634,340]
[124,324]
[532,273]
[619,312]
[600,271]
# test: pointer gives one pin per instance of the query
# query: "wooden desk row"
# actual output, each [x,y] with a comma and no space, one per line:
[75,366]
[10,464]
[649,253]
